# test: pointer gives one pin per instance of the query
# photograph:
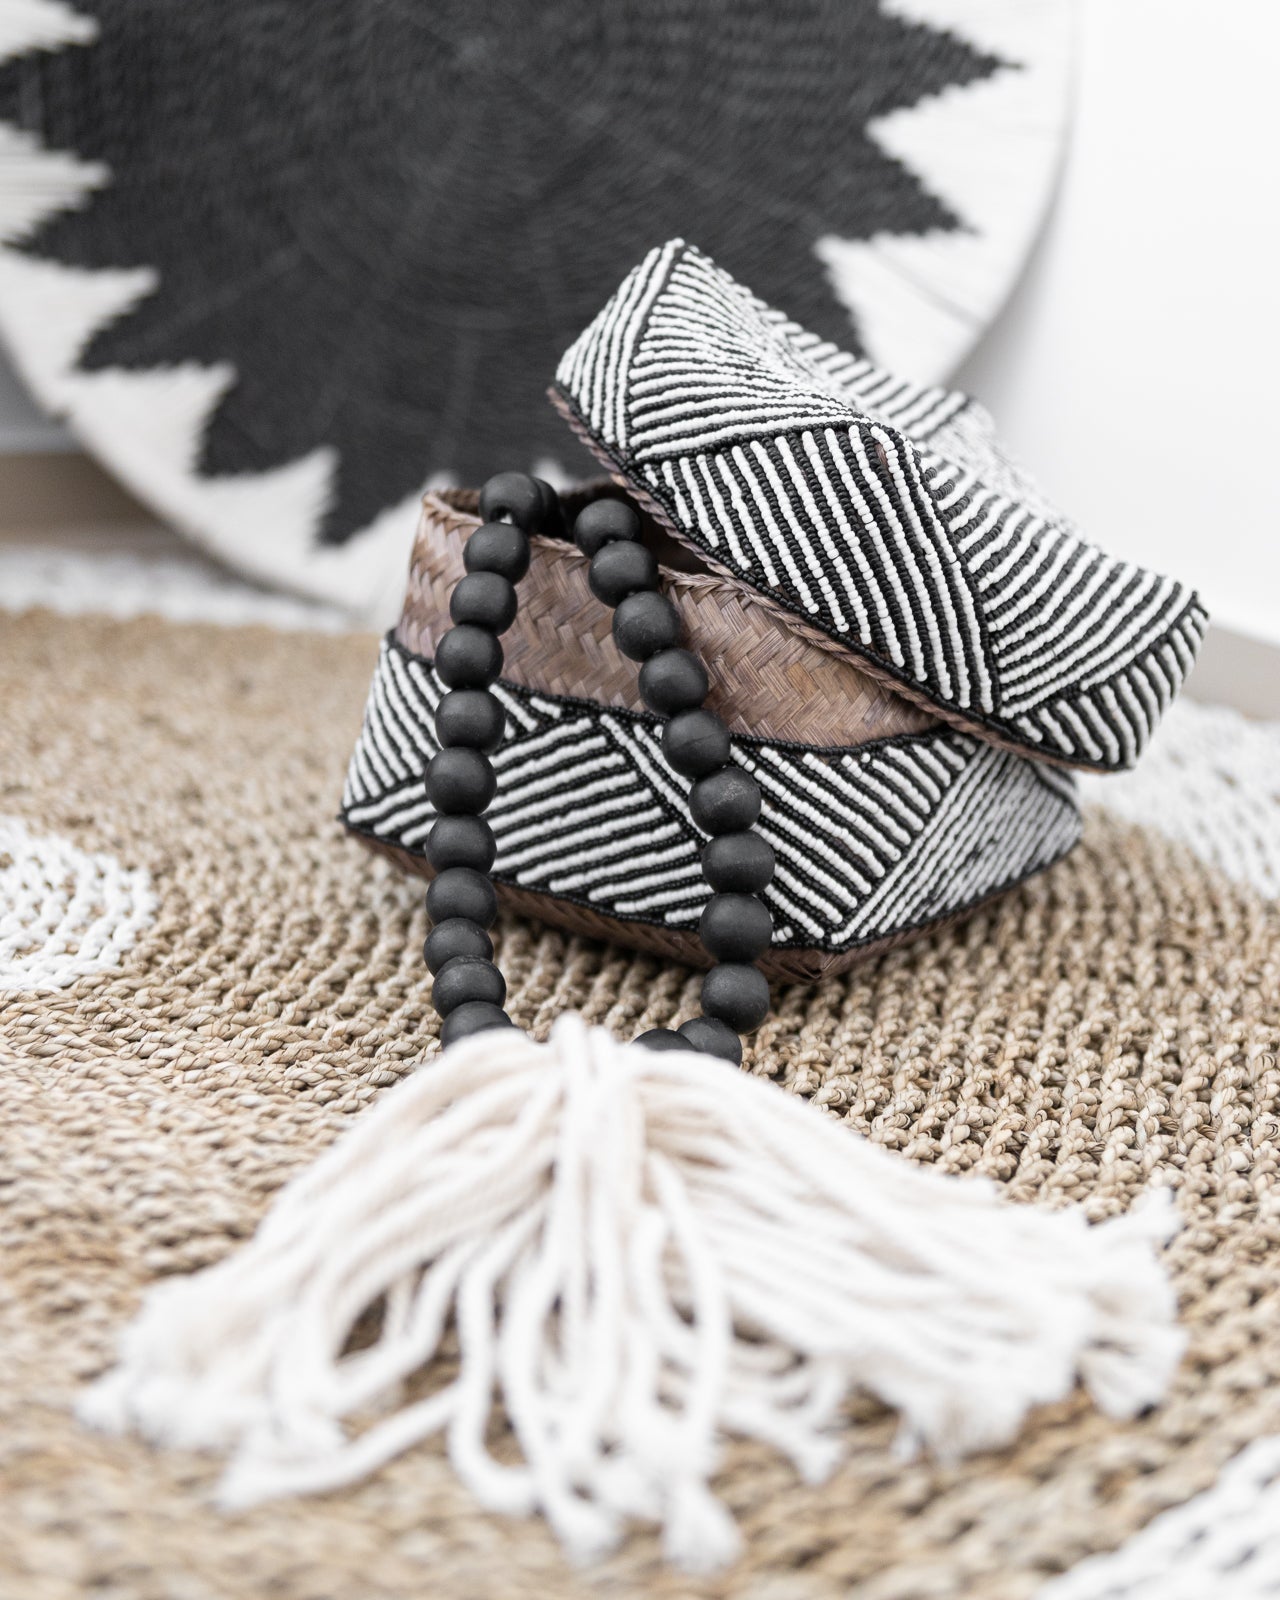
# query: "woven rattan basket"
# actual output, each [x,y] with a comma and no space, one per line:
[779,686]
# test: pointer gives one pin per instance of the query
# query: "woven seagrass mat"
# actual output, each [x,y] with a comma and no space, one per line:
[1108,1027]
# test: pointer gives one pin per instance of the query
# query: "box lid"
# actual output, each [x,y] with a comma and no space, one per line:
[882,513]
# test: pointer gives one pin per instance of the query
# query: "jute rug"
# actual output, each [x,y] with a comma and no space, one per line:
[1110,1027]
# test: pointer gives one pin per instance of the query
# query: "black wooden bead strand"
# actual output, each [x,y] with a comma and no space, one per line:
[462,893]
[736,926]
[738,863]
[498,547]
[471,718]
[468,658]
[455,936]
[513,497]
[605,521]
[469,991]
[673,680]
[485,600]
[461,842]
[460,782]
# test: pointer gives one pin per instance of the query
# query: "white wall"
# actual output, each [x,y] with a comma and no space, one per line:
[1135,369]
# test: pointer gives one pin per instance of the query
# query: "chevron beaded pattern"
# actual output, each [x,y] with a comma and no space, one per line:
[870,841]
[878,510]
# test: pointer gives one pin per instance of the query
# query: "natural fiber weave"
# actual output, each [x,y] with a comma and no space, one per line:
[1110,1026]
[769,678]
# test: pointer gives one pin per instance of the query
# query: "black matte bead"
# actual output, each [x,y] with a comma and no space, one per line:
[552,521]
[662,1039]
[735,927]
[695,743]
[456,937]
[468,658]
[713,1038]
[460,782]
[618,570]
[673,680]
[470,717]
[512,497]
[605,522]
[474,1016]
[738,863]
[467,978]
[498,547]
[485,599]
[462,892]
[727,801]
[645,623]
[737,995]
[461,842]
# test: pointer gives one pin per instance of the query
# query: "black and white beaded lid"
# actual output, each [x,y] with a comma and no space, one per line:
[880,512]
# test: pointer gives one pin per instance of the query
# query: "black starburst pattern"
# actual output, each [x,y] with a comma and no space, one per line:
[390,216]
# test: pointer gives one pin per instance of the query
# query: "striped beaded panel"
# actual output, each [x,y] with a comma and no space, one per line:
[879,510]
[870,841]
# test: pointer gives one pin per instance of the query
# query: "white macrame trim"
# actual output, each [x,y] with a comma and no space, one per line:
[1221,1545]
[1211,779]
[641,1252]
[183,587]
[64,913]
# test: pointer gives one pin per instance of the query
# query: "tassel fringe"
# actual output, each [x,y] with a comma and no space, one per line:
[640,1254]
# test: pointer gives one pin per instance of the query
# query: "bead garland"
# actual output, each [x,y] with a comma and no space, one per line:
[724,801]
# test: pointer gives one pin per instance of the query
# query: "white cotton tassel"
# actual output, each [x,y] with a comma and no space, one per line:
[641,1253]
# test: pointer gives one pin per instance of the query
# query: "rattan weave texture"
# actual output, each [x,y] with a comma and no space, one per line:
[769,678]
[1110,1027]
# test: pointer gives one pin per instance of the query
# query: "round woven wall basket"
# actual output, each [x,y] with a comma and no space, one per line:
[281,267]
